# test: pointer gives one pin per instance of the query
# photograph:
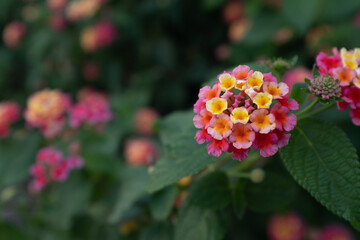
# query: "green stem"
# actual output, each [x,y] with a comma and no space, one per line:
[317,111]
[219,163]
[245,165]
[308,108]
[213,167]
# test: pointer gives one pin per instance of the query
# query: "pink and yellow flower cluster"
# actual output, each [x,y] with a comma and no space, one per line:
[244,109]
[344,66]
[98,36]
[46,110]
[49,110]
[52,166]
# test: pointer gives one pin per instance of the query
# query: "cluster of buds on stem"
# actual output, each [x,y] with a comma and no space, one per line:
[325,87]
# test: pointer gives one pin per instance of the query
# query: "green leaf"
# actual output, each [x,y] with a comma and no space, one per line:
[258,34]
[183,156]
[67,200]
[162,202]
[339,9]
[301,14]
[275,193]
[16,157]
[323,161]
[239,201]
[132,188]
[10,232]
[298,92]
[157,231]
[211,191]
[199,224]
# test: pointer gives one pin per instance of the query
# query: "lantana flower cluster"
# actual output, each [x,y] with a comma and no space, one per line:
[100,35]
[9,114]
[46,110]
[244,109]
[52,166]
[93,108]
[344,67]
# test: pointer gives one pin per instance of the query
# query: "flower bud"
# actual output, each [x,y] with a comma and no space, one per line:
[289,226]
[257,175]
[144,121]
[140,152]
[13,34]
[325,87]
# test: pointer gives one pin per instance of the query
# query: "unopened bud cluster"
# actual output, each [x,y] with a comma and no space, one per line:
[325,87]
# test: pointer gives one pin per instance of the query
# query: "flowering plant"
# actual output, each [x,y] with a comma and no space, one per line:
[100,137]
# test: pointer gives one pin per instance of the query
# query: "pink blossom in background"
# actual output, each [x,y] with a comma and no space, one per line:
[93,108]
[296,75]
[140,152]
[238,30]
[232,11]
[283,35]
[57,22]
[106,33]
[357,19]
[222,52]
[97,36]
[56,5]
[51,166]
[46,110]
[288,226]
[13,34]
[335,232]
[144,121]
[9,114]
[82,9]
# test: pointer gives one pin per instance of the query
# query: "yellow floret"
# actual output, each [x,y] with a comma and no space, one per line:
[348,58]
[255,80]
[263,100]
[357,82]
[216,105]
[240,115]
[227,81]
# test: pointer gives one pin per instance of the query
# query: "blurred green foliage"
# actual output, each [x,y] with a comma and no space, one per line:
[165,50]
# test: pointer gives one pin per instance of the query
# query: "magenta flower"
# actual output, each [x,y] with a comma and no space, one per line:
[9,114]
[335,232]
[283,120]
[52,166]
[93,109]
